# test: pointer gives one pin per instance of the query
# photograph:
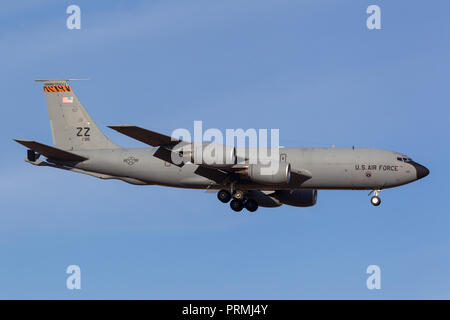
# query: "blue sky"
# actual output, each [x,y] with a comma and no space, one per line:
[310,68]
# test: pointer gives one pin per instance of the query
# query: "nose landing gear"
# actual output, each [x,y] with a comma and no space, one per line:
[375,200]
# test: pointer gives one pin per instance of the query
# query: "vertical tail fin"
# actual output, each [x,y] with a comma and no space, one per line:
[72,127]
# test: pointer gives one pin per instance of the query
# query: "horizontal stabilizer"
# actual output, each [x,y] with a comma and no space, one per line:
[50,152]
[149,137]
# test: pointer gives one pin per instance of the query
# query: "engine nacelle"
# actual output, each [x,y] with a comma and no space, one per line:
[266,175]
[263,199]
[209,154]
[297,198]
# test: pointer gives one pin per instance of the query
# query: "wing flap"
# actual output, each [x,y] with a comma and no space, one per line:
[51,152]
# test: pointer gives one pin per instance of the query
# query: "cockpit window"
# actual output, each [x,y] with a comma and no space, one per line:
[404,159]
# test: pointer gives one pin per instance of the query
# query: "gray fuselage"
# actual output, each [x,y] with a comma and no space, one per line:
[330,168]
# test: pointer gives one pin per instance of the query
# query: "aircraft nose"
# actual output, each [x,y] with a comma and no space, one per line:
[421,170]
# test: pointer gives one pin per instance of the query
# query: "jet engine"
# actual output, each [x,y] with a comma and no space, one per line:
[270,176]
[210,154]
[296,198]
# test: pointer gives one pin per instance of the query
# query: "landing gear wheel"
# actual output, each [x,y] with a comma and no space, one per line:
[224,196]
[375,200]
[239,195]
[236,205]
[251,205]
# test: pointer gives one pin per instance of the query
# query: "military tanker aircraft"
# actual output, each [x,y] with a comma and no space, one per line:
[80,146]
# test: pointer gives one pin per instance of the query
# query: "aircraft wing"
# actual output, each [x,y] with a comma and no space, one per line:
[165,153]
[146,136]
[298,177]
[220,175]
[51,152]
[154,139]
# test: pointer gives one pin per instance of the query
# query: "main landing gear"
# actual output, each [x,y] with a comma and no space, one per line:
[239,201]
[224,196]
[375,200]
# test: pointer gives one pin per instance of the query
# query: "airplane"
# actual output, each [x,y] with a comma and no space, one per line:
[79,146]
